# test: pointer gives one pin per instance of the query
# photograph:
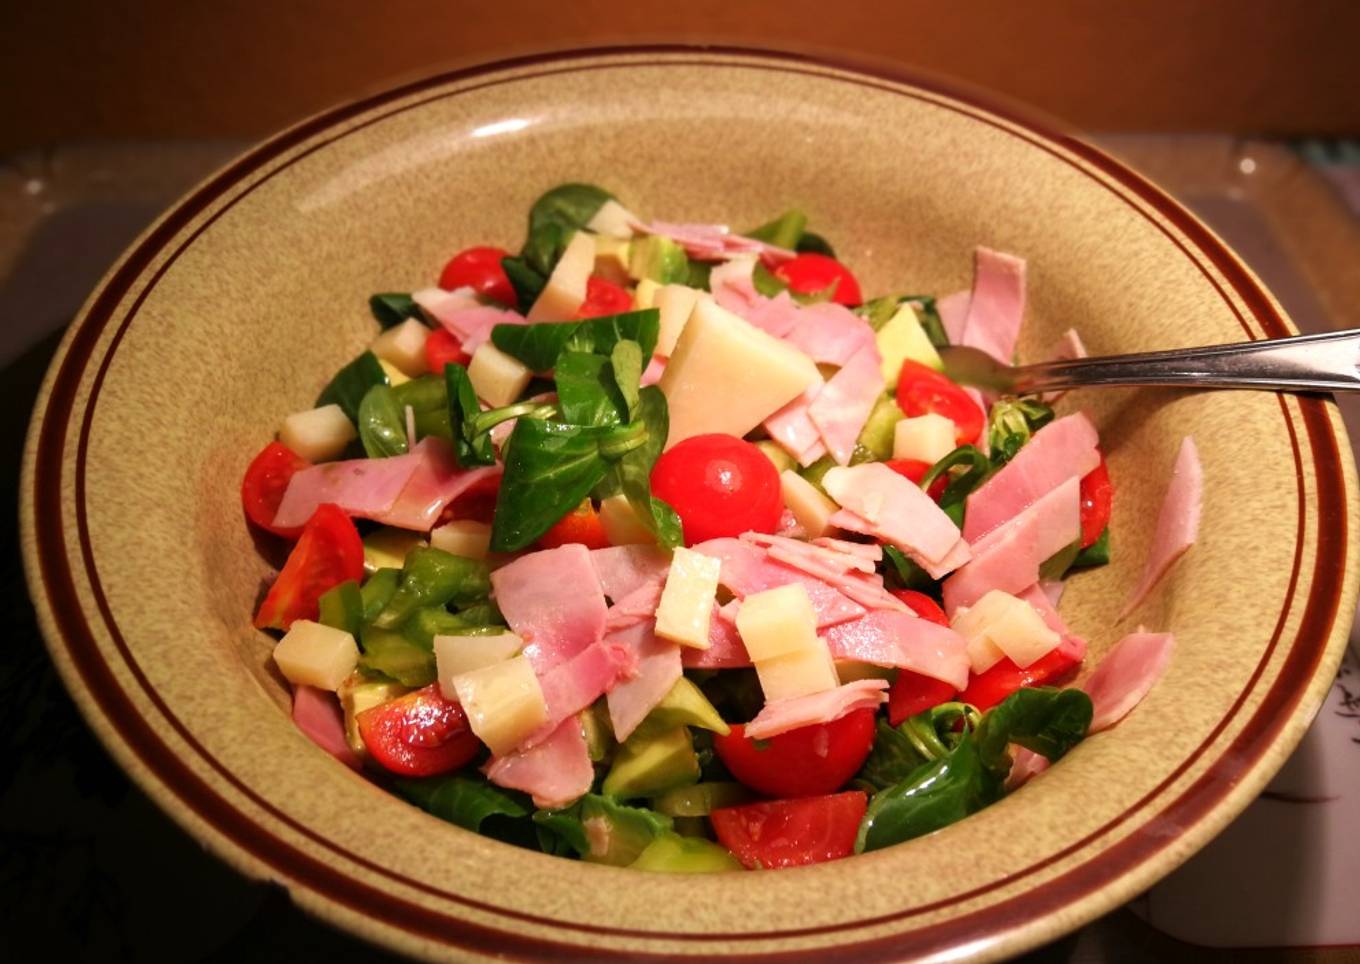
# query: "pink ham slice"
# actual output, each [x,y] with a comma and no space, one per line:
[865,589]
[552,599]
[725,648]
[793,428]
[1009,557]
[843,405]
[828,551]
[829,333]
[953,312]
[317,714]
[865,550]
[658,669]
[747,569]
[636,607]
[997,305]
[1063,449]
[713,242]
[1025,763]
[1124,676]
[1177,522]
[436,482]
[1037,596]
[571,686]
[651,375]
[554,772]
[622,569]
[780,716]
[903,640]
[877,501]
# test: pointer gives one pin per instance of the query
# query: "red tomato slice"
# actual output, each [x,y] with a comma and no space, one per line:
[719,485]
[441,349]
[581,524]
[916,470]
[327,553]
[806,762]
[922,390]
[420,734]
[604,298]
[477,502]
[810,273]
[791,833]
[922,605]
[1097,499]
[914,693]
[985,690]
[479,269]
[265,483]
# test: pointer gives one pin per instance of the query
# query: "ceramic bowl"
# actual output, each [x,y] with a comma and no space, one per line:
[237,305]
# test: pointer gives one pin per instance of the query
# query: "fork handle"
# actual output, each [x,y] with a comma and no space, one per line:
[1326,362]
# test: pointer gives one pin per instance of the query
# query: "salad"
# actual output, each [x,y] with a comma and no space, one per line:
[661,546]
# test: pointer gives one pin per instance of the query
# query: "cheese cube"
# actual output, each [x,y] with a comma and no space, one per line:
[566,287]
[687,599]
[778,622]
[613,220]
[497,378]
[983,654]
[463,537]
[456,655]
[1002,625]
[318,434]
[973,621]
[926,438]
[311,654]
[797,674]
[622,527]
[393,373]
[675,302]
[503,702]
[386,548]
[403,345]
[611,260]
[809,506]
[726,375]
[644,295]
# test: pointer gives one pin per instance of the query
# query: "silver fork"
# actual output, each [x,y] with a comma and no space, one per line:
[1304,363]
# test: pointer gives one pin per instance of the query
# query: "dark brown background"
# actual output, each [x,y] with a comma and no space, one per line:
[85,69]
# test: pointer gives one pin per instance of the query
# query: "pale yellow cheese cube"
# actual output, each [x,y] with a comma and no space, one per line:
[318,434]
[387,548]
[497,378]
[644,295]
[972,621]
[809,505]
[726,375]
[503,702]
[463,537]
[566,287]
[778,622]
[311,654]
[613,220]
[456,655]
[1022,634]
[403,345]
[797,674]
[926,438]
[675,303]
[983,654]
[622,527]
[687,598]
[611,260]
[394,374]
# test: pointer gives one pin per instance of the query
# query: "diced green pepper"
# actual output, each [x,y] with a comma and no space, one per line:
[343,608]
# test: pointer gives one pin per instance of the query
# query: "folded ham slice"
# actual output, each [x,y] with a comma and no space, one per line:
[997,304]
[865,550]
[436,482]
[903,640]
[636,607]
[843,405]
[877,501]
[1177,522]
[554,772]
[725,648]
[572,685]
[658,669]
[780,716]
[317,714]
[1062,449]
[1009,557]
[651,375]
[793,429]
[1124,676]
[552,599]
[829,552]
[622,569]
[829,333]
[953,312]
[747,569]
[466,319]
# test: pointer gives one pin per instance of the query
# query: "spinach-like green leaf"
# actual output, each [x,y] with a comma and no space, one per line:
[377,591]
[626,360]
[568,206]
[811,243]
[433,577]
[351,383]
[390,653]
[1013,422]
[920,739]
[586,392]
[538,346]
[907,573]
[879,311]
[462,799]
[619,833]
[428,398]
[342,607]
[527,282]
[767,283]
[545,246]
[391,308]
[382,424]
[932,796]
[1096,554]
[633,473]
[784,231]
[977,469]
[1044,719]
[471,446]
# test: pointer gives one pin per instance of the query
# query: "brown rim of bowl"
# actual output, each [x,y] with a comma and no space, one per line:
[101,695]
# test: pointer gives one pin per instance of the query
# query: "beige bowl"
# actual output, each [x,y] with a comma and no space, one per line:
[234,309]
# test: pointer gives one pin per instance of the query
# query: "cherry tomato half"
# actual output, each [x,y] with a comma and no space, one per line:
[922,390]
[806,762]
[441,349]
[913,693]
[916,470]
[604,298]
[985,690]
[420,734]
[582,524]
[791,833]
[720,485]
[265,483]
[810,273]
[477,502]
[479,269]
[327,553]
[1097,499]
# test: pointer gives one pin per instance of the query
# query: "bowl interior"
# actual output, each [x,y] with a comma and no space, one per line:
[262,293]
